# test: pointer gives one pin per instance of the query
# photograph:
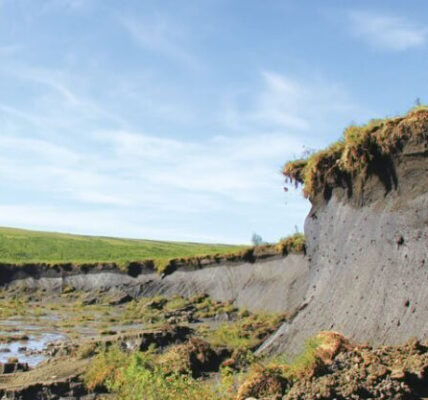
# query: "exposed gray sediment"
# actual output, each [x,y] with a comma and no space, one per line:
[274,284]
[368,275]
[368,251]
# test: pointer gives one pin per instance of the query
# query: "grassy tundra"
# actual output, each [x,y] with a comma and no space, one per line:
[24,246]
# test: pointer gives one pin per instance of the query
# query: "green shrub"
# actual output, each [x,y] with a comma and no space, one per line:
[137,376]
[246,333]
[105,369]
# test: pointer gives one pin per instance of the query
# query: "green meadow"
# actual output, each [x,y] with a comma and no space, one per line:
[24,246]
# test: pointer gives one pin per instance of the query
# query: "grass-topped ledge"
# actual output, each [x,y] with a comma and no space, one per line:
[31,253]
[362,151]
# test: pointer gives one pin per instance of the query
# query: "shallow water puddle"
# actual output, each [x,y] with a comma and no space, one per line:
[29,351]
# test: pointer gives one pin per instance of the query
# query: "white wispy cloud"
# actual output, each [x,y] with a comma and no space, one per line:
[232,167]
[386,31]
[161,36]
[287,104]
[280,100]
[101,222]
[60,83]
[14,113]
[56,100]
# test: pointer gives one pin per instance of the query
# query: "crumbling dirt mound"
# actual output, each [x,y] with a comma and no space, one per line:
[332,368]
[384,373]
[196,356]
[263,383]
[332,343]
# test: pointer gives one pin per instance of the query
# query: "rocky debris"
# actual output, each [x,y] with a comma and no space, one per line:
[337,370]
[364,372]
[165,337]
[13,366]
[158,338]
[90,299]
[120,298]
[14,338]
[70,389]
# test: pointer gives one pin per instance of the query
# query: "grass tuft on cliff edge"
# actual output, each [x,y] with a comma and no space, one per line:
[356,153]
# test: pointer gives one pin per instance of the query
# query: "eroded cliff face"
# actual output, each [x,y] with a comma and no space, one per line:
[274,284]
[368,249]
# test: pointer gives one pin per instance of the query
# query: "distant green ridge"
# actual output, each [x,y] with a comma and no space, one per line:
[21,246]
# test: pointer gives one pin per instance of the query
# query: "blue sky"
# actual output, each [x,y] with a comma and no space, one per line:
[172,119]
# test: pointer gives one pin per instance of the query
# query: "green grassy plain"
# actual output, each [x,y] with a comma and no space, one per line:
[24,246]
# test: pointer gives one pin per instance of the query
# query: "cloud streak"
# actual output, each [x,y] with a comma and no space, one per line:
[159,35]
[387,32]
[287,104]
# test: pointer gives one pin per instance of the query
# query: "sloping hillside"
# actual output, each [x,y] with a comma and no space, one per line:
[20,246]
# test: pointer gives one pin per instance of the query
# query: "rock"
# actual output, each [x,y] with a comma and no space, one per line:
[12,367]
[89,300]
[164,337]
[120,299]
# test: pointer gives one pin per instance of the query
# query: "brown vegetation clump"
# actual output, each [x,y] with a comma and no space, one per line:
[361,152]
[292,244]
[331,344]
[196,356]
[263,382]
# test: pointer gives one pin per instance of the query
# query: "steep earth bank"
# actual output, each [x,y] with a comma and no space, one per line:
[367,241]
[274,283]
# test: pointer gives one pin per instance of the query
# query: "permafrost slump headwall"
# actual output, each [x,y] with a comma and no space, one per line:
[366,269]
[368,251]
